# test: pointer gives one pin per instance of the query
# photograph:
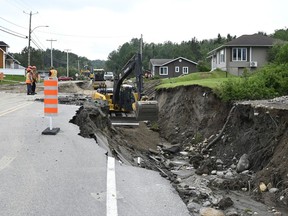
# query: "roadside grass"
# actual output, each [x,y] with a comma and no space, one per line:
[10,79]
[208,79]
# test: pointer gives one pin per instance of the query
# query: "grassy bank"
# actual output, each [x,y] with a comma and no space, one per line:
[209,79]
[10,79]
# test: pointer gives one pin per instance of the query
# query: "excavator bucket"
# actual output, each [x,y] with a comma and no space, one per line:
[146,110]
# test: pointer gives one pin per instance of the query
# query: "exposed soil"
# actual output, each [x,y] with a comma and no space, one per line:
[197,120]
[198,145]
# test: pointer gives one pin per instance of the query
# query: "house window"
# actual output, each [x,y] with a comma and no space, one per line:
[222,56]
[163,71]
[185,70]
[177,69]
[239,54]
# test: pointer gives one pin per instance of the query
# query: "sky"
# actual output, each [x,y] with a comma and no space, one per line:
[95,28]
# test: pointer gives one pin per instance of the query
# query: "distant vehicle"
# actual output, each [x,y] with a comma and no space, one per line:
[64,78]
[109,76]
[99,74]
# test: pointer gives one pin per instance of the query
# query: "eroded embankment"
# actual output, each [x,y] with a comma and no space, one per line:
[194,118]
[208,139]
[189,113]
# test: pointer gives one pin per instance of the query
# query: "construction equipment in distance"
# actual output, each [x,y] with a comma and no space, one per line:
[98,81]
[126,98]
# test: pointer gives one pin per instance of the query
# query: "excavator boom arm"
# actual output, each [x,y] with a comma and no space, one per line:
[134,64]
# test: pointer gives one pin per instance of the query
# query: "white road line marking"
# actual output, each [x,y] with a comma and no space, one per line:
[111,198]
[5,161]
[10,110]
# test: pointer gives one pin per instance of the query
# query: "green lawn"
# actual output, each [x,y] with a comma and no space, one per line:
[209,79]
[10,79]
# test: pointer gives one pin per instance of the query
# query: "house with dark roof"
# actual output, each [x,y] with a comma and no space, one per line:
[165,68]
[246,51]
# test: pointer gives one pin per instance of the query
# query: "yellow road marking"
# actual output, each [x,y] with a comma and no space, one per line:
[13,109]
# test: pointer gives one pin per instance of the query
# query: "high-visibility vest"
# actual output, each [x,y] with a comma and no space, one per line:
[28,78]
[34,76]
[53,73]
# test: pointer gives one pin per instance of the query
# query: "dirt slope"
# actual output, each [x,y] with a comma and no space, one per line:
[193,116]
[189,113]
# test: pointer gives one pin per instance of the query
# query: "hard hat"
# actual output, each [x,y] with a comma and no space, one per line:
[33,67]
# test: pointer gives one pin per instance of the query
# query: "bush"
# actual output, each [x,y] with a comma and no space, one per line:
[278,54]
[269,82]
[282,55]
[203,66]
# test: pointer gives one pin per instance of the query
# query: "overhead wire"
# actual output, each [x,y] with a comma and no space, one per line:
[13,31]
[12,23]
[26,4]
[87,36]
[12,3]
[36,44]
[20,36]
[34,35]
[35,40]
[20,5]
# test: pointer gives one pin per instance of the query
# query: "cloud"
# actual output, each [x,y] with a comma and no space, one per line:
[94,28]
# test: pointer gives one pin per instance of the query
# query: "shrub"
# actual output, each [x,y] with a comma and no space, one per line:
[282,55]
[269,82]
[203,66]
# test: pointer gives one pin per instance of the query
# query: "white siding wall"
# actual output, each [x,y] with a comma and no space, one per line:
[13,71]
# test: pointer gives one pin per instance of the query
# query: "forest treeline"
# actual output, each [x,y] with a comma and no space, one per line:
[195,50]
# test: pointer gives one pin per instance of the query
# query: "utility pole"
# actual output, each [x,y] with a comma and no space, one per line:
[141,46]
[51,50]
[67,50]
[79,66]
[29,35]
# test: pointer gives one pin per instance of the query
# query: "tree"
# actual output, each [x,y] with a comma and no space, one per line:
[281,34]
[282,55]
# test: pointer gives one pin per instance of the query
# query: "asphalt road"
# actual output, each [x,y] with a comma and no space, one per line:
[67,174]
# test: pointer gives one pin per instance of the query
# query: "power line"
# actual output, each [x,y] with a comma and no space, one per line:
[36,44]
[13,34]
[38,40]
[24,4]
[12,23]
[15,5]
[87,36]
[12,31]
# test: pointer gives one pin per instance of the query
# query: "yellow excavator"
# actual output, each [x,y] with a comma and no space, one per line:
[126,98]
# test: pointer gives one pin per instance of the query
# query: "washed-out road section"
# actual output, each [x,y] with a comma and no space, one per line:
[66,174]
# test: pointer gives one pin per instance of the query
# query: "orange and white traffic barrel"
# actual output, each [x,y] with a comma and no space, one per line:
[51,97]
[51,103]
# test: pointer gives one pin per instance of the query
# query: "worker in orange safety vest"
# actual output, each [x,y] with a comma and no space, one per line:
[34,77]
[53,73]
[29,80]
